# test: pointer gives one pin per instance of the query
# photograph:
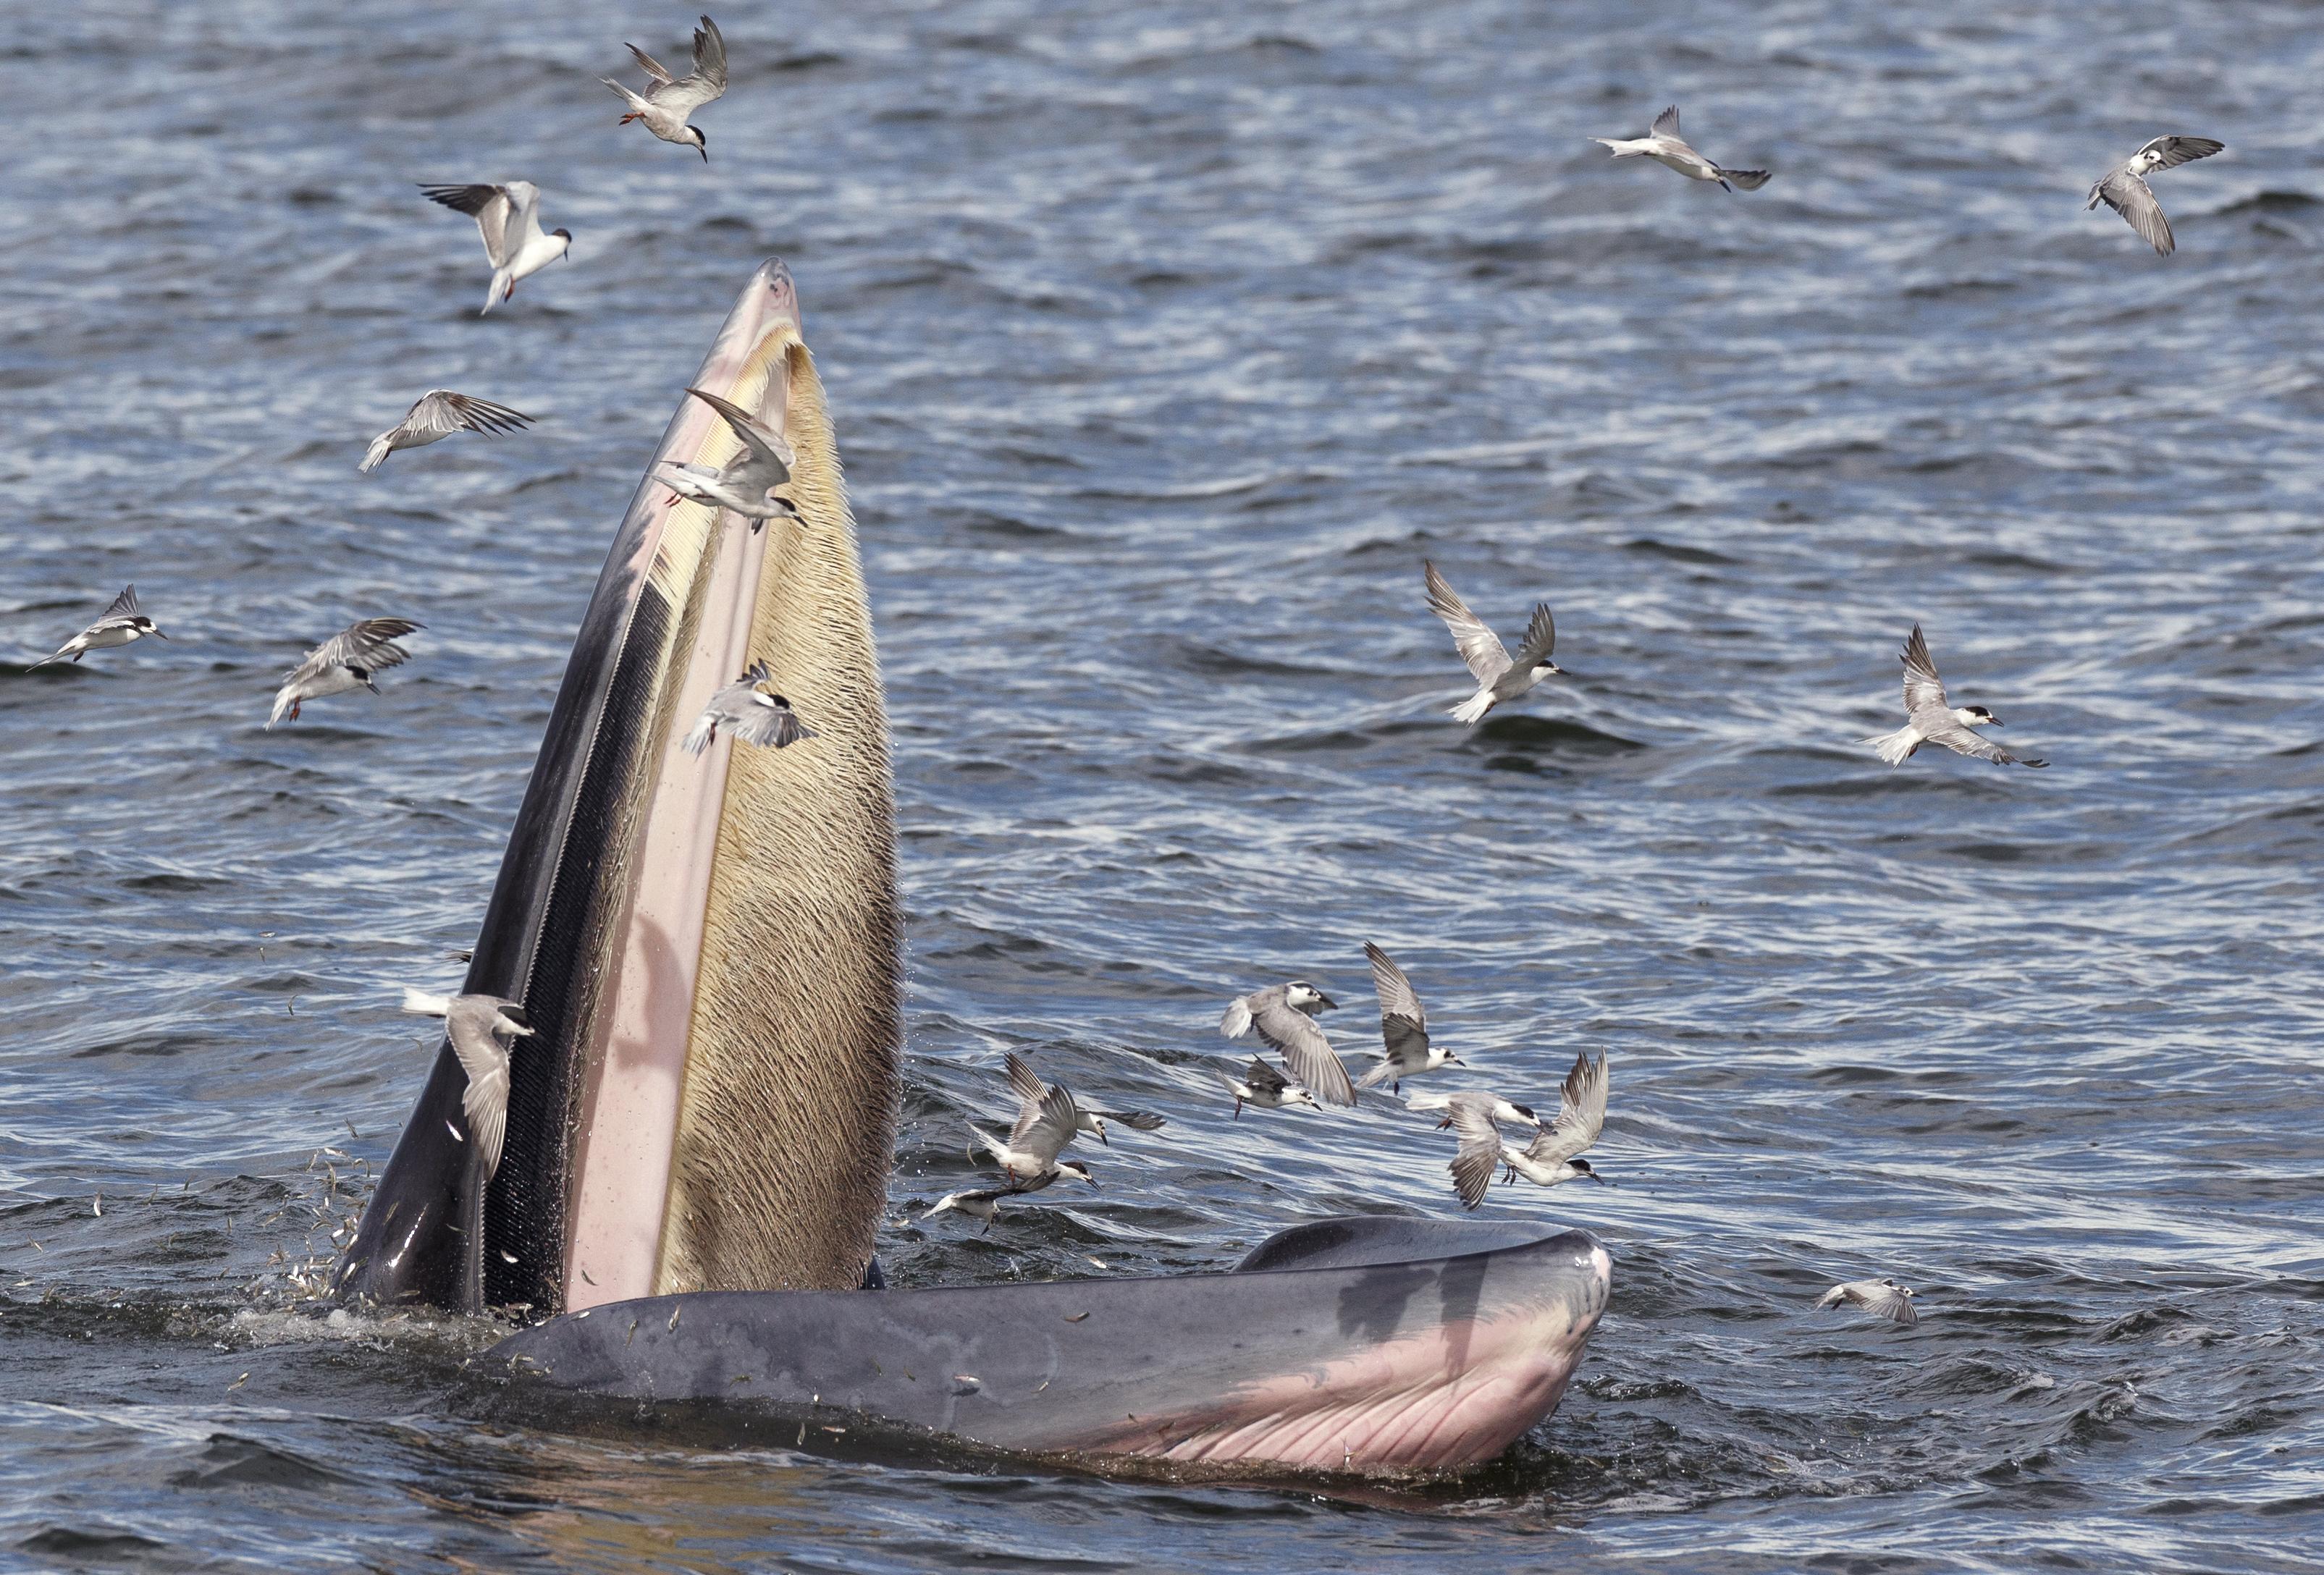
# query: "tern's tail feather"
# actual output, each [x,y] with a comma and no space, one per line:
[699,738]
[45,660]
[628,98]
[498,289]
[419,1003]
[378,451]
[284,698]
[1377,1076]
[1429,1101]
[1895,748]
[1623,147]
[1237,1021]
[987,1141]
[1749,179]
[1472,710]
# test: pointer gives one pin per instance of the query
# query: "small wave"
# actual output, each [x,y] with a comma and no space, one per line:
[1550,733]
[2272,202]
[1678,552]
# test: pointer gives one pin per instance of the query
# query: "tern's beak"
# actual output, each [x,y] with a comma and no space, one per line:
[1103,1138]
[159,635]
[703,149]
[1325,1003]
[1600,1180]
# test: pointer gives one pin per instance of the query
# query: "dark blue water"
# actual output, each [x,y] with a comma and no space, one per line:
[1163,342]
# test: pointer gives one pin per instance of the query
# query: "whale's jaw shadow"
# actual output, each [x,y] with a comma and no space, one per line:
[700,1130]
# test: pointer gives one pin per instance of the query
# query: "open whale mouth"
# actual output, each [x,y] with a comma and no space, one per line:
[707,945]
[707,949]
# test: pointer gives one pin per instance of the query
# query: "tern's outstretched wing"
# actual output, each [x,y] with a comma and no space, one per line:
[1053,1127]
[1030,1091]
[764,443]
[1540,639]
[766,720]
[1667,123]
[1295,1037]
[1581,1113]
[1481,648]
[1264,1077]
[368,646]
[1922,687]
[708,78]
[1480,1154]
[2130,197]
[484,1101]
[439,412]
[1404,1022]
[1885,1300]
[490,207]
[2173,151]
[125,605]
[653,68]
[1964,740]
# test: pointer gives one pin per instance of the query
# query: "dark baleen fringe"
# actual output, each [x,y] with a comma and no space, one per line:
[789,1109]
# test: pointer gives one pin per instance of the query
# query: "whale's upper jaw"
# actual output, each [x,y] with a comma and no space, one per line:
[567,929]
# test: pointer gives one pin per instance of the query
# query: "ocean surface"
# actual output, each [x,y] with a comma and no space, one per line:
[1164,342]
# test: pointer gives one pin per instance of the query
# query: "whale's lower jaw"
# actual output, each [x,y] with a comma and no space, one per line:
[1410,1344]
[1412,1405]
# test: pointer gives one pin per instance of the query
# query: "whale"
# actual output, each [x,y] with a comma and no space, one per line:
[699,1130]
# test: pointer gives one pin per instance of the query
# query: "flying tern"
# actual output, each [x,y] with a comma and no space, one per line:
[1492,1105]
[118,625]
[1931,718]
[2124,187]
[1404,1027]
[344,661]
[1282,1016]
[480,1028]
[1662,143]
[1042,1128]
[1553,1156]
[1032,1092]
[1883,1298]
[1263,1088]
[1499,676]
[434,416]
[747,484]
[508,216]
[749,713]
[667,102]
